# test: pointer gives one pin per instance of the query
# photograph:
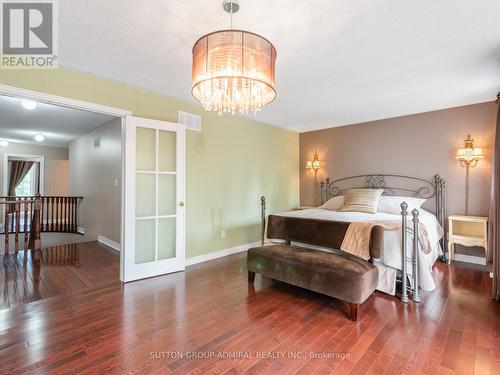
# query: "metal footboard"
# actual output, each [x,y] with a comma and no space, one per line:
[414,258]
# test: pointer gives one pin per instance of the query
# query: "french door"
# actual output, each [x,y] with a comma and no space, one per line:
[154,218]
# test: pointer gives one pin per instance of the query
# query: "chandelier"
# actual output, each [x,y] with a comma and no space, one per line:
[233,70]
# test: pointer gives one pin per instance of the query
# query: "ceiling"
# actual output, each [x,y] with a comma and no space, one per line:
[59,125]
[339,62]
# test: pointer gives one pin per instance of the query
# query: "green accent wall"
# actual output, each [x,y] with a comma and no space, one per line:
[229,165]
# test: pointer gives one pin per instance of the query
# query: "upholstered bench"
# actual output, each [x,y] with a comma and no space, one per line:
[343,277]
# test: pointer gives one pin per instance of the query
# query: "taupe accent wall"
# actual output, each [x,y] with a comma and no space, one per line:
[95,174]
[420,145]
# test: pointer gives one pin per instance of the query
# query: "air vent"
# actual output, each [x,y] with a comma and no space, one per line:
[190,121]
[97,142]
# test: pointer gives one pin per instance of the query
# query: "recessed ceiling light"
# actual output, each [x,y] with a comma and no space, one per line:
[28,104]
[39,137]
[4,142]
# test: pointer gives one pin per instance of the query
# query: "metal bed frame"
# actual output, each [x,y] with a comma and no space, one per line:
[399,185]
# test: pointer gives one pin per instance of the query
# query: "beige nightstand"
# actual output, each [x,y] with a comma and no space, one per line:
[467,231]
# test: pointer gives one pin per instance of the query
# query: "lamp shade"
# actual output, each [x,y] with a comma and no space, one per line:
[233,71]
[469,154]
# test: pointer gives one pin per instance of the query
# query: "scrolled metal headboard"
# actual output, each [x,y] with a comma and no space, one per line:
[393,184]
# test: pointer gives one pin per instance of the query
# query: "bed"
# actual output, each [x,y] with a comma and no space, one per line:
[397,244]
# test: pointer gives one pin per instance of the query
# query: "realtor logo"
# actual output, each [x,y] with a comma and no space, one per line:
[29,34]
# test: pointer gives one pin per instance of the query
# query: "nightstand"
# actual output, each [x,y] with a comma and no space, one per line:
[467,231]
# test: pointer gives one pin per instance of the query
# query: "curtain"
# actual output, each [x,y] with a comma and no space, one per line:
[493,255]
[17,170]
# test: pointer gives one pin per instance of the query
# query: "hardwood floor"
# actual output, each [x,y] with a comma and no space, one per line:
[60,269]
[158,325]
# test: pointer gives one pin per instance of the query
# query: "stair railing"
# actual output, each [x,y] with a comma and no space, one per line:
[30,216]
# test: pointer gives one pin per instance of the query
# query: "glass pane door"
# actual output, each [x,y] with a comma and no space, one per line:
[157,179]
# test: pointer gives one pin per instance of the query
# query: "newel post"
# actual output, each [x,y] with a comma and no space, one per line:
[37,227]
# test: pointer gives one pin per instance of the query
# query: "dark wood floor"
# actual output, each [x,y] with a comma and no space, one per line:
[154,325]
[58,270]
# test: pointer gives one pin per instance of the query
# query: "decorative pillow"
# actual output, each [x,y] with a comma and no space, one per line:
[334,203]
[361,200]
[392,204]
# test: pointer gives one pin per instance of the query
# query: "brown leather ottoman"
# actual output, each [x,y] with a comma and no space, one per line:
[346,278]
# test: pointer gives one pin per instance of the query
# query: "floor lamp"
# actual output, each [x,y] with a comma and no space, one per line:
[313,165]
[468,157]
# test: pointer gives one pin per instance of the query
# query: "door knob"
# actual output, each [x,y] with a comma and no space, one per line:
[181,204]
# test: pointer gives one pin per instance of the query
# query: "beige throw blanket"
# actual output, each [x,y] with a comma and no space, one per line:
[357,238]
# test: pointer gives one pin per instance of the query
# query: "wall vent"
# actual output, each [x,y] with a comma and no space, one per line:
[97,142]
[190,121]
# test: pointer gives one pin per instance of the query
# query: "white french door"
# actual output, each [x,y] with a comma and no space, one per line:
[154,218]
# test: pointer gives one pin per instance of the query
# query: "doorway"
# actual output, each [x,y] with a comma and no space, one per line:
[158,249]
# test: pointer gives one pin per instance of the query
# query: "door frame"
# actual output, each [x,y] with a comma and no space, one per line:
[43,97]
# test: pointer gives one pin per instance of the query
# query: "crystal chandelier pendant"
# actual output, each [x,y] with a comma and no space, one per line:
[233,70]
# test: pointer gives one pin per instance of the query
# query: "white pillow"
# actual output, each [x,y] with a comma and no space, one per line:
[392,204]
[334,203]
[362,200]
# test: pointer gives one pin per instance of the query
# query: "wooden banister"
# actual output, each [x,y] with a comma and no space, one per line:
[32,216]
[37,227]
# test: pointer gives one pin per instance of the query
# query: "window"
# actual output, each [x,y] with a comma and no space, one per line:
[31,181]
[26,187]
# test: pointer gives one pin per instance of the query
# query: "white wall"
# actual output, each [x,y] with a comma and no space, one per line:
[95,174]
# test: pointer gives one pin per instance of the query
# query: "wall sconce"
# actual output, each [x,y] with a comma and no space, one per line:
[313,164]
[468,157]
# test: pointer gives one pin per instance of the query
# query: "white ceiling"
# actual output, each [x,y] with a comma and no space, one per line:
[339,62]
[59,125]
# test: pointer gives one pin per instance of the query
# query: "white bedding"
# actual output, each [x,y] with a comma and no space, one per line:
[391,257]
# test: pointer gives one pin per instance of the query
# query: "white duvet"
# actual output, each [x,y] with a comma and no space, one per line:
[391,259]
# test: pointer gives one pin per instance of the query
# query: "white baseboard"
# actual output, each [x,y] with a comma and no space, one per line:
[106,241]
[80,230]
[219,254]
[470,259]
